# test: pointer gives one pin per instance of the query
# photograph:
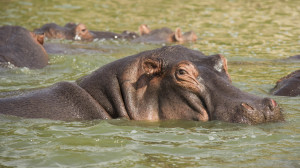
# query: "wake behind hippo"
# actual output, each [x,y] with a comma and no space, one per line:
[169,83]
[164,35]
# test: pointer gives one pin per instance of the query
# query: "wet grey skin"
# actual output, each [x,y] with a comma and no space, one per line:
[169,83]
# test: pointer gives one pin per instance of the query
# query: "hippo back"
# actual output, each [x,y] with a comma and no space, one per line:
[288,85]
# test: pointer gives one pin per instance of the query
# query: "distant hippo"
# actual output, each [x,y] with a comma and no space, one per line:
[82,33]
[164,35]
[288,85]
[54,31]
[169,83]
[295,57]
[22,48]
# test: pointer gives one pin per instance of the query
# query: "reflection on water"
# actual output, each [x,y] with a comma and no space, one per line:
[251,35]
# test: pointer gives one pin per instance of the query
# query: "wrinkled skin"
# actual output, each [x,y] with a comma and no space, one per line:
[288,85]
[82,33]
[22,48]
[168,83]
[164,35]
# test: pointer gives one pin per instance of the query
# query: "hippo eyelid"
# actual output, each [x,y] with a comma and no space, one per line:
[182,72]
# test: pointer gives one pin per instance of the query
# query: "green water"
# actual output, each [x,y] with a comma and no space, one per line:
[251,35]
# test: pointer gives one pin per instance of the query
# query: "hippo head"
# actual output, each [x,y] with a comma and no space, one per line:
[174,82]
[22,48]
[38,37]
[185,37]
[82,33]
[166,35]
[70,25]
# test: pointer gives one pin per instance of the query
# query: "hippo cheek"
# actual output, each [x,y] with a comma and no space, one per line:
[187,106]
[186,76]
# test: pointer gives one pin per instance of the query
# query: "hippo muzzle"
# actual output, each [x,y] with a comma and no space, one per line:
[266,110]
[227,103]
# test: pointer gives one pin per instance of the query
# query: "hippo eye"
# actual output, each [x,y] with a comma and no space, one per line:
[83,30]
[182,72]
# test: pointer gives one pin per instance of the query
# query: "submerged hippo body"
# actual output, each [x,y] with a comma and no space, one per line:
[172,82]
[22,48]
[164,35]
[288,85]
[295,57]
[82,33]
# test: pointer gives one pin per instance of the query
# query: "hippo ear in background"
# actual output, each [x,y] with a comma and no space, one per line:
[70,25]
[144,29]
[178,35]
[153,67]
[82,33]
[38,37]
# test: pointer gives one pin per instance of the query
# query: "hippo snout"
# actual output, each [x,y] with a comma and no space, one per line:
[265,110]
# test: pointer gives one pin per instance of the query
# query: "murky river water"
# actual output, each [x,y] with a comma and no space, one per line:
[251,35]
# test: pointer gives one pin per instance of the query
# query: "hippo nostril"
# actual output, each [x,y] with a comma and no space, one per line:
[247,107]
[274,104]
[270,103]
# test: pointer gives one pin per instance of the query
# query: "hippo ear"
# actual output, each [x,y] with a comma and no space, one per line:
[144,29]
[38,37]
[220,64]
[153,67]
[178,35]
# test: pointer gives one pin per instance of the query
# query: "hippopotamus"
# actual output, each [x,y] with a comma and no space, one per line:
[22,48]
[82,33]
[54,31]
[164,35]
[288,85]
[168,83]
[295,57]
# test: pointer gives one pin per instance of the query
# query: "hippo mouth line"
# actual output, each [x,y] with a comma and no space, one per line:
[202,109]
